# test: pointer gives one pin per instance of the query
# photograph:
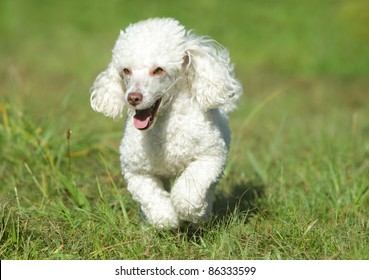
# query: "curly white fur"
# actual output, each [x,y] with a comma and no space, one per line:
[178,88]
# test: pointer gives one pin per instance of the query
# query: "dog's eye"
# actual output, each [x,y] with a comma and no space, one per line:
[126,71]
[158,71]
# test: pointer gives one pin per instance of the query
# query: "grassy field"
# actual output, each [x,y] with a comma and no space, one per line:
[297,181]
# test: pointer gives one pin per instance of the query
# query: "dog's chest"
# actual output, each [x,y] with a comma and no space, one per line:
[168,148]
[173,146]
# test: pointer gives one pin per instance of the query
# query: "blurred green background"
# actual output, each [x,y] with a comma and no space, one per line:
[49,48]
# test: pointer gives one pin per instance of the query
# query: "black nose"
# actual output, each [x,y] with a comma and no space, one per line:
[134,98]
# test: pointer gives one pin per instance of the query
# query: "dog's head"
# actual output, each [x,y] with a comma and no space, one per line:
[149,58]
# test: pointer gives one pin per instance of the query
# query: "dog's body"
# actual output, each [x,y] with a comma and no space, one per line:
[178,88]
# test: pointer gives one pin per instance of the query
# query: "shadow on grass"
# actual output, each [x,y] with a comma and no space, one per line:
[241,201]
[242,198]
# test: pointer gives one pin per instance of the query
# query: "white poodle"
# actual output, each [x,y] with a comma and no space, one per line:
[177,88]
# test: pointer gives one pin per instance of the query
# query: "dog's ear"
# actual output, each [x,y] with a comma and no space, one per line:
[210,74]
[107,93]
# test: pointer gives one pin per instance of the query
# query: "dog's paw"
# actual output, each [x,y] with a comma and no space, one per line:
[162,217]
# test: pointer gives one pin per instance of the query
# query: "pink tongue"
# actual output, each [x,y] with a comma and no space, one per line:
[142,118]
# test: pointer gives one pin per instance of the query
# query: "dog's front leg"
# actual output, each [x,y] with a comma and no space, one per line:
[192,193]
[155,202]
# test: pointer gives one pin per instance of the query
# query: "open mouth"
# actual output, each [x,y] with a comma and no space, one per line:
[143,119]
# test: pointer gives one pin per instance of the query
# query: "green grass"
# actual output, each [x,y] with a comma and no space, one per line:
[297,181]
